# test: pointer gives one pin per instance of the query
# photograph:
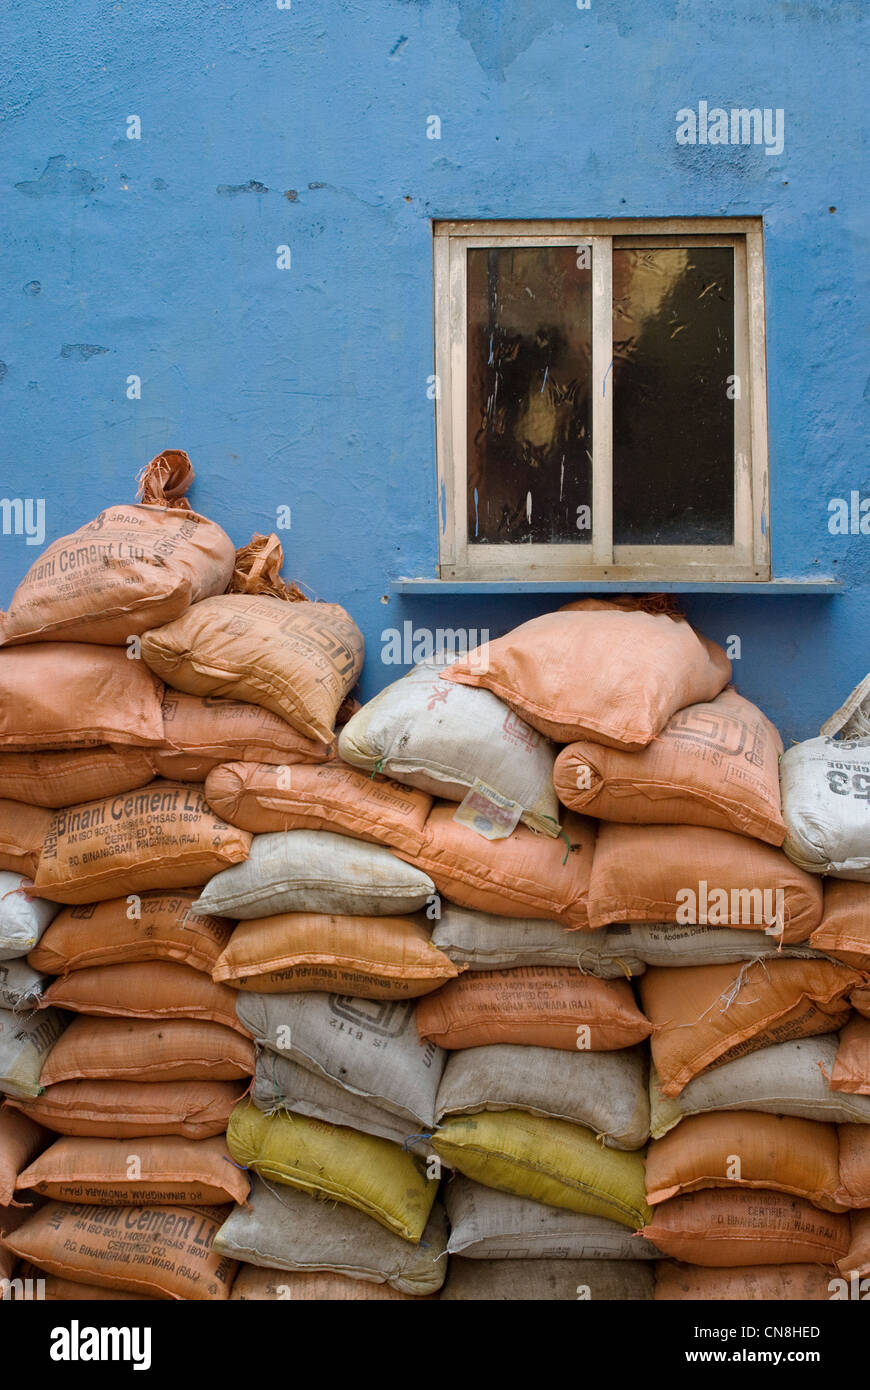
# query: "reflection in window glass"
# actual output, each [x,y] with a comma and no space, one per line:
[529,407]
[673,421]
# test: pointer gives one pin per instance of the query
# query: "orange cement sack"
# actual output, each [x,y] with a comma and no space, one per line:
[55,1290]
[538,1006]
[21,1140]
[74,695]
[692,875]
[156,1251]
[261,797]
[157,989]
[851,1069]
[22,833]
[154,926]
[857,1257]
[745,1283]
[719,1229]
[190,1172]
[860,1000]
[131,568]
[128,1109]
[164,836]
[844,931]
[599,670]
[742,1149]
[364,957]
[854,1188]
[704,1015]
[202,731]
[74,775]
[713,764]
[298,660]
[148,1049]
[524,875]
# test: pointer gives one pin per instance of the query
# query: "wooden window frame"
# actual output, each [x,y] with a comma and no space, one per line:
[749,557]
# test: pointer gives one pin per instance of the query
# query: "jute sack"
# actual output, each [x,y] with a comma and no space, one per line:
[713,764]
[118,931]
[172,1171]
[599,670]
[22,834]
[436,735]
[546,1160]
[21,1140]
[857,1257]
[719,1229]
[605,1091]
[851,1069]
[315,871]
[164,836]
[25,1042]
[786,1078]
[490,1225]
[825,784]
[131,568]
[283,1228]
[280,1084]
[524,875]
[161,1251]
[844,931]
[148,1049]
[337,1164]
[666,943]
[21,987]
[55,1290]
[298,660]
[483,941]
[206,729]
[854,1188]
[705,1015]
[515,1281]
[367,957]
[73,775]
[158,989]
[369,1047]
[537,1006]
[23,920]
[130,1109]
[860,1000]
[60,695]
[745,1283]
[775,1152]
[690,874]
[264,1285]
[332,796]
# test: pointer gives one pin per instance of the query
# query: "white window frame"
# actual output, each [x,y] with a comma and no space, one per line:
[749,557]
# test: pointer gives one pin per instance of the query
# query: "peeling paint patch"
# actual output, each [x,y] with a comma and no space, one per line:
[158,185]
[291,195]
[33,287]
[398,46]
[59,179]
[229,190]
[317,185]
[81,352]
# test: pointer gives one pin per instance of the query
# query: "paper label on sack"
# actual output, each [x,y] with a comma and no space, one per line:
[488,812]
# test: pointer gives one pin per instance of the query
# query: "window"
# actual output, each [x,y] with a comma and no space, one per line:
[601,401]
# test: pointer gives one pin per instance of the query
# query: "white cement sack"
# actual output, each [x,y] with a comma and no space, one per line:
[441,737]
[289,1229]
[785,1079]
[316,871]
[669,944]
[490,1225]
[369,1046]
[483,941]
[522,1281]
[22,920]
[826,806]
[25,1042]
[21,987]
[605,1091]
[280,1084]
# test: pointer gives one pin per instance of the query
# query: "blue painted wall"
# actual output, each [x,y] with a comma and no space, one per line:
[306,126]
